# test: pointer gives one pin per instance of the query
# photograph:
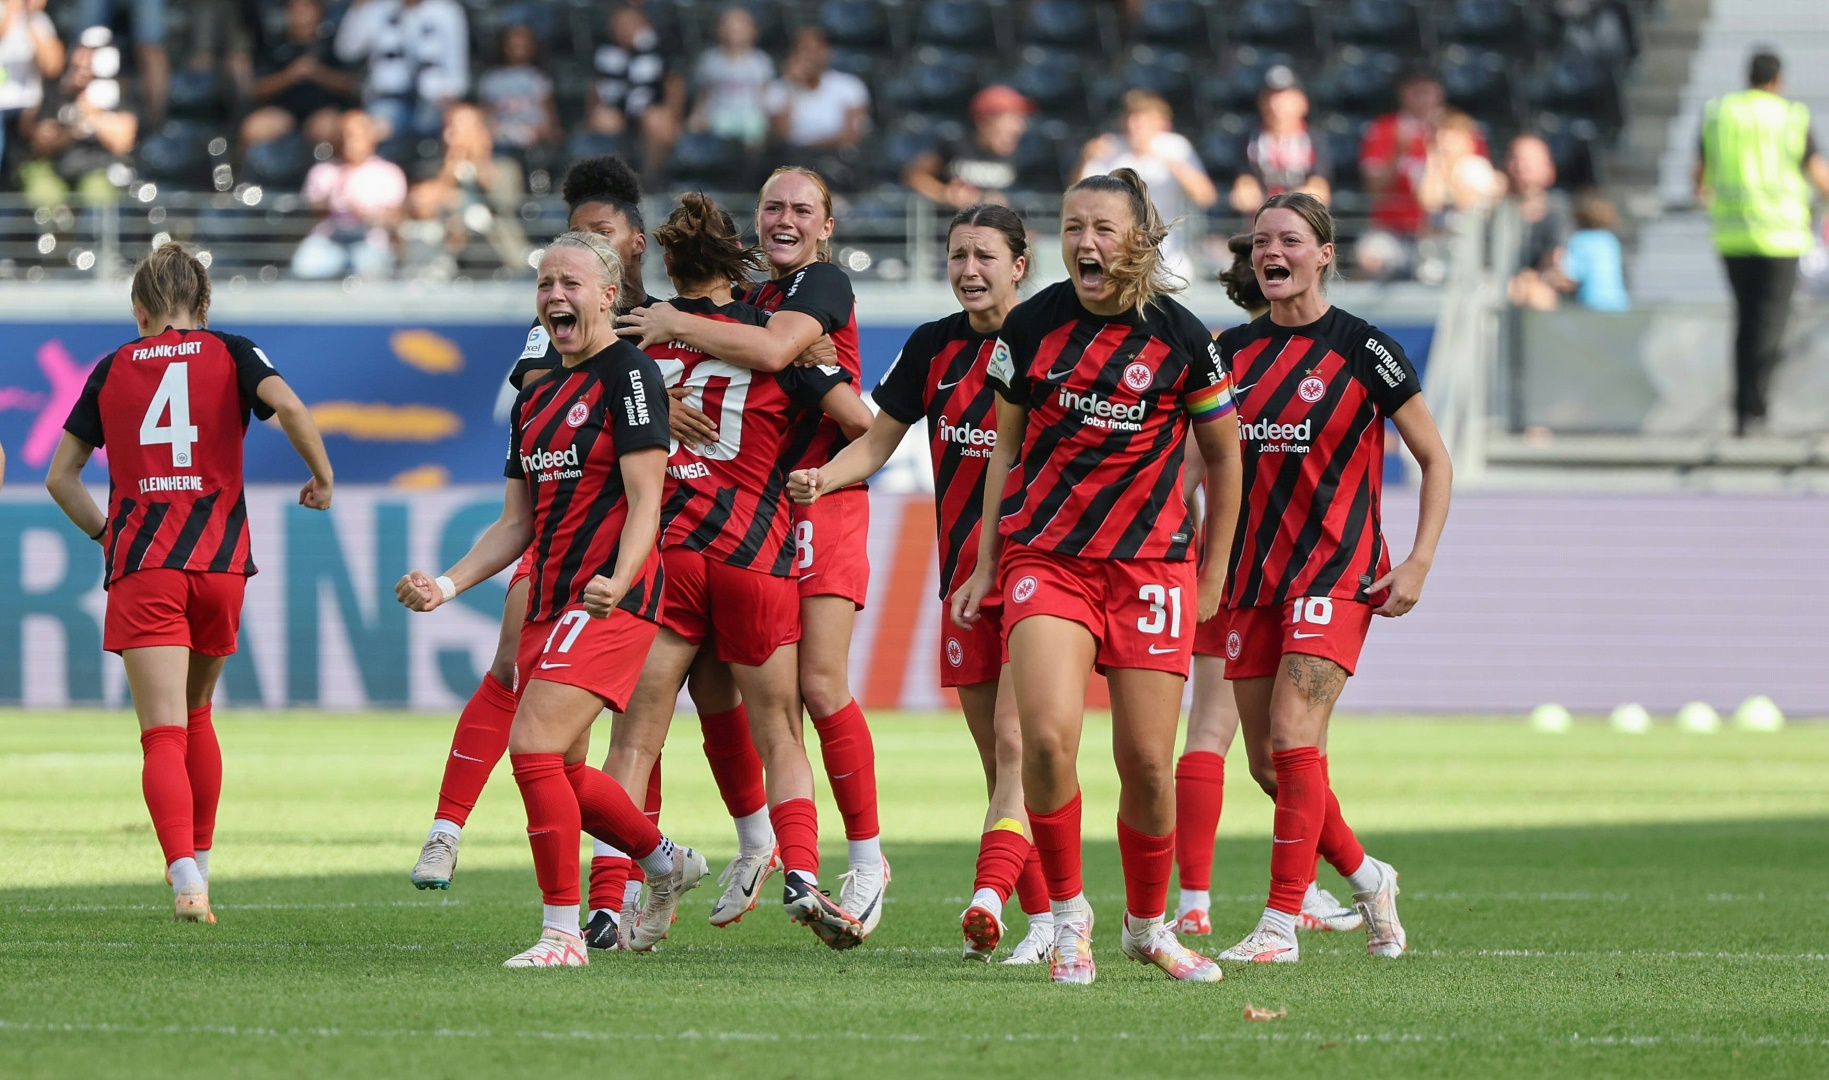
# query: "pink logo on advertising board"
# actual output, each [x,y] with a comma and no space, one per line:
[578,414]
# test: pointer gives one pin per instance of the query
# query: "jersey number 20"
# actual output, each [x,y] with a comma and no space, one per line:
[173,394]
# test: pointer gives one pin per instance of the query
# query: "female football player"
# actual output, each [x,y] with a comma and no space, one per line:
[172,407]
[810,298]
[1309,565]
[1099,379]
[586,465]
[940,377]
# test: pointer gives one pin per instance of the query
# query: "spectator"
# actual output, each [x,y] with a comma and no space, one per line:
[300,83]
[518,96]
[30,53]
[731,80]
[1458,176]
[983,167]
[1592,267]
[360,195]
[1393,156]
[81,131]
[150,56]
[473,193]
[812,108]
[636,89]
[1546,217]
[418,54]
[218,73]
[1754,173]
[1281,155]
[1147,142]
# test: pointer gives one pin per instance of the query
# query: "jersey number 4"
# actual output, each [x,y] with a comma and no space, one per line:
[173,396]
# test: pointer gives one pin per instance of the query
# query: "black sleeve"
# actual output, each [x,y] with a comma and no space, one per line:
[85,420]
[1014,352]
[1386,372]
[537,355]
[808,386]
[1204,365]
[512,469]
[902,393]
[251,369]
[822,291]
[638,407]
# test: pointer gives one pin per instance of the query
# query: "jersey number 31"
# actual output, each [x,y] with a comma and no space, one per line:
[173,394]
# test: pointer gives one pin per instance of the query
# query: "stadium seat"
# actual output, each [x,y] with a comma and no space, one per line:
[1496,24]
[584,144]
[1054,81]
[1478,81]
[772,24]
[1389,24]
[700,158]
[1074,25]
[1222,146]
[1579,84]
[1573,142]
[911,136]
[1044,156]
[177,154]
[279,164]
[936,80]
[1287,24]
[857,24]
[1358,80]
[1241,75]
[1182,24]
[195,95]
[1165,72]
[1341,134]
[967,25]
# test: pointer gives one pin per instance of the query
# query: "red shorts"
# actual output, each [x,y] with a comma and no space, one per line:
[832,546]
[1311,625]
[1210,636]
[970,657]
[604,656]
[1142,611]
[747,614]
[523,569]
[196,609]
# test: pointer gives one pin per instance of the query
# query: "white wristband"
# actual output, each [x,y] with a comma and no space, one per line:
[446,587]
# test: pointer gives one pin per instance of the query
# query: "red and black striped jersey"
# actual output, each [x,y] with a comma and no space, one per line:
[824,292]
[729,500]
[940,377]
[172,410]
[567,437]
[1312,407]
[1109,399]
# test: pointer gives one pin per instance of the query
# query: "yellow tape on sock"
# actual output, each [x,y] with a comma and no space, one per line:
[1007,825]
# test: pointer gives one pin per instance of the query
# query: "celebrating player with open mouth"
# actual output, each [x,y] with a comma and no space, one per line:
[604,197]
[586,466]
[810,298]
[172,407]
[1309,565]
[728,553]
[940,377]
[1099,378]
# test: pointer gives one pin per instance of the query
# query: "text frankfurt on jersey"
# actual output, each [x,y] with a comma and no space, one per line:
[151,485]
[1275,438]
[1096,411]
[973,441]
[548,465]
[164,352]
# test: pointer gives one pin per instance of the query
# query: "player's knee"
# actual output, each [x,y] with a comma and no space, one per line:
[1147,776]
[1265,775]
[824,691]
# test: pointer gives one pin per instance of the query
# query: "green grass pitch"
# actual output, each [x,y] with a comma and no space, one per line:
[1583,904]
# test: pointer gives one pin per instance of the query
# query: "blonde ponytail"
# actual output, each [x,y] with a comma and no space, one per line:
[1141,274]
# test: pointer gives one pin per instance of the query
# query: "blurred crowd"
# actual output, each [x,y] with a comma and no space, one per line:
[416,129]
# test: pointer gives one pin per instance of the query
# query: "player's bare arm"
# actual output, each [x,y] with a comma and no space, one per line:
[759,348]
[500,545]
[64,480]
[1223,465]
[1417,429]
[856,462]
[644,473]
[848,410]
[302,431]
[1012,421]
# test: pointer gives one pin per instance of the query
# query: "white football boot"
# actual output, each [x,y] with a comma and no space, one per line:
[437,862]
[1036,946]
[1151,941]
[661,898]
[1320,911]
[862,895]
[1384,935]
[556,948]
[743,879]
[1264,945]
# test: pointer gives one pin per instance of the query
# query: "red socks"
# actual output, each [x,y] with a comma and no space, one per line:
[1200,792]
[552,824]
[165,782]
[203,764]
[796,824]
[1001,856]
[850,760]
[1057,841]
[650,806]
[478,743]
[735,765]
[1147,860]
[606,811]
[610,873]
[1338,845]
[1301,807]
[1031,886]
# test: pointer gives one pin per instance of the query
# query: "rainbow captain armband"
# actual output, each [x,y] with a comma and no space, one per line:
[1211,402]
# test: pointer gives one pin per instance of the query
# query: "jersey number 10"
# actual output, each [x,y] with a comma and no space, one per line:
[174,393]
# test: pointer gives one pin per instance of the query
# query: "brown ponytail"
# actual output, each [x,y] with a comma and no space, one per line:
[703,246]
[171,281]
[1139,271]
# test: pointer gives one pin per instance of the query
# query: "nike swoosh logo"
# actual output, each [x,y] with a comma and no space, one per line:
[803,577]
[1299,635]
[841,776]
[1154,651]
[1061,374]
[1242,389]
[949,385]
[466,757]
[544,666]
[1297,840]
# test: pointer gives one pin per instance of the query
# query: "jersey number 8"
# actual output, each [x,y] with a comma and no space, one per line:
[174,393]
